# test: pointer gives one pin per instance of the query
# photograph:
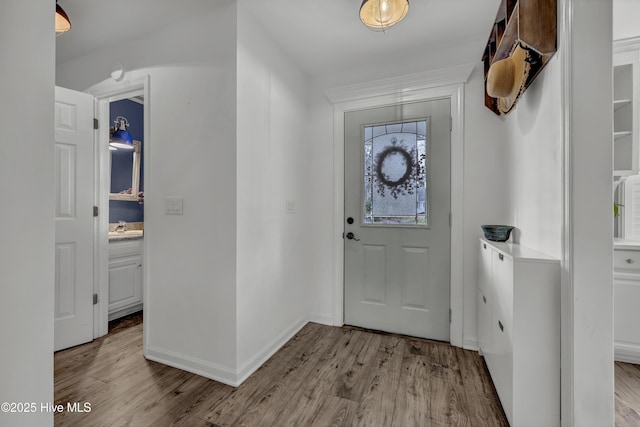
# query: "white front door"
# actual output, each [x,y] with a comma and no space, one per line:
[397,229]
[74,230]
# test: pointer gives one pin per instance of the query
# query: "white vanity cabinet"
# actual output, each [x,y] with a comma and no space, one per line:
[519,330]
[125,277]
[626,297]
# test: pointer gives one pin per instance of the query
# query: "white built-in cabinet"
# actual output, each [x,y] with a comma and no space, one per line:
[125,277]
[626,107]
[519,330]
[626,153]
[626,296]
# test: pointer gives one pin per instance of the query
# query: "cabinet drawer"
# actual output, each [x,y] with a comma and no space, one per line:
[626,260]
[502,296]
[626,294]
[125,248]
[485,332]
[484,269]
[502,374]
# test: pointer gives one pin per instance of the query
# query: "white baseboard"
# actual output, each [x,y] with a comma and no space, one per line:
[124,312]
[258,359]
[194,365]
[626,352]
[234,378]
[223,374]
[323,320]
[470,344]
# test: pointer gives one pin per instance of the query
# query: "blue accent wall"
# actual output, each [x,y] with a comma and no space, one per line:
[121,170]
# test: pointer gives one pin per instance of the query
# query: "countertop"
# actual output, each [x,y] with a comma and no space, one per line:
[629,244]
[517,252]
[127,235]
[133,231]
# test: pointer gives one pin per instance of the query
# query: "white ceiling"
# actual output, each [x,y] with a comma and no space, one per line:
[317,34]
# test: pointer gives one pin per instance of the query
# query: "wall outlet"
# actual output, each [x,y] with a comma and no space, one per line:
[173,205]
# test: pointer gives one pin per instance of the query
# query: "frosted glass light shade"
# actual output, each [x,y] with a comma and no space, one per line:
[63,24]
[380,15]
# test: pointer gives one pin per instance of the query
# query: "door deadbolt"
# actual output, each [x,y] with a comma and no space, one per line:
[349,220]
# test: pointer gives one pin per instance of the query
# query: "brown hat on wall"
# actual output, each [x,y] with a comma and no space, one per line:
[507,78]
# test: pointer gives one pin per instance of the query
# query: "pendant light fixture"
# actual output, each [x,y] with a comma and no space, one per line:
[380,15]
[120,136]
[63,24]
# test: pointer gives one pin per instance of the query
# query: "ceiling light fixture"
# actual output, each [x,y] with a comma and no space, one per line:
[63,24]
[380,15]
[120,136]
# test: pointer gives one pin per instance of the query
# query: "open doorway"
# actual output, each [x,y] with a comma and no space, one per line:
[120,246]
[126,206]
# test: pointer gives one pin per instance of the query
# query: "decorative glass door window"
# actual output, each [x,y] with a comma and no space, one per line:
[395,174]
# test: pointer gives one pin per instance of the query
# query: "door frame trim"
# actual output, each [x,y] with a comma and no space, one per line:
[105,92]
[435,84]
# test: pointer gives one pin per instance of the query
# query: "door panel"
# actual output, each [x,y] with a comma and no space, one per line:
[73,311]
[125,277]
[397,190]
[374,272]
[415,284]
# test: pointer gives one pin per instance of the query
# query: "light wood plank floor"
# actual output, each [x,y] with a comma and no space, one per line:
[323,376]
[627,377]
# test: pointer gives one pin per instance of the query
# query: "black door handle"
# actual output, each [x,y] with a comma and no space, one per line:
[352,236]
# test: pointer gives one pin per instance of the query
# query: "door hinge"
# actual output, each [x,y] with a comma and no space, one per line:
[450,315]
[95,211]
[450,219]
[95,299]
[95,123]
[450,123]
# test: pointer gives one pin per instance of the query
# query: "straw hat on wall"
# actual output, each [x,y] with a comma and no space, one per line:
[508,78]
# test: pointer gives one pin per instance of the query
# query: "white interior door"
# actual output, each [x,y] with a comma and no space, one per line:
[397,227]
[73,218]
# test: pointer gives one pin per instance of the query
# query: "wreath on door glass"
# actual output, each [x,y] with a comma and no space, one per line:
[405,184]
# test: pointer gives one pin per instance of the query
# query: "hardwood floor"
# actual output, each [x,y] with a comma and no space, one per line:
[324,376]
[627,377]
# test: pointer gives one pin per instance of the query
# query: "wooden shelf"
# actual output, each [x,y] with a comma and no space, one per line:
[626,120]
[508,36]
[532,22]
[619,103]
[621,134]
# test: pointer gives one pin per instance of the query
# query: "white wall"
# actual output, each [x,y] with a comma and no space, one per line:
[272,168]
[486,195]
[533,171]
[190,295]
[320,210]
[190,315]
[26,188]
[625,19]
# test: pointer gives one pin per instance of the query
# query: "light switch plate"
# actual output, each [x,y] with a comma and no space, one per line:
[290,207]
[173,205]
